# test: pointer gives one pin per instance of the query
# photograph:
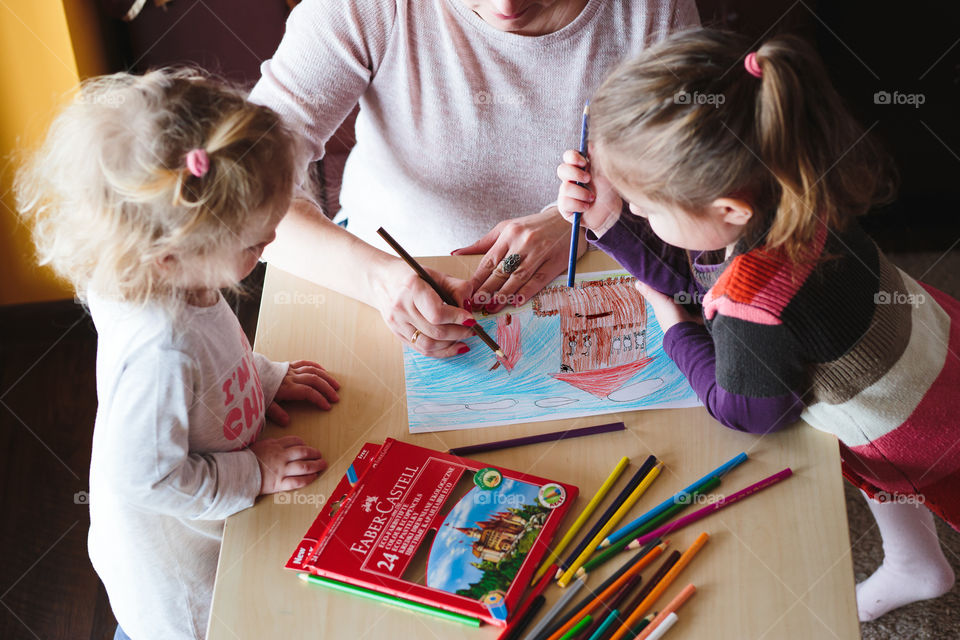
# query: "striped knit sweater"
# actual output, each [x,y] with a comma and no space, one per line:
[843,340]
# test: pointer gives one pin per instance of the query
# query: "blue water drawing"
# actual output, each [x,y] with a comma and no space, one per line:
[608,358]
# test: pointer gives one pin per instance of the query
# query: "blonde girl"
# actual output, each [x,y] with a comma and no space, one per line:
[150,194]
[744,173]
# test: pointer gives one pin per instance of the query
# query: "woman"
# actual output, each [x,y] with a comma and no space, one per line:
[464,106]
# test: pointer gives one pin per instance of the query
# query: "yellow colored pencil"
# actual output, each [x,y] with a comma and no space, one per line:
[610,524]
[583,517]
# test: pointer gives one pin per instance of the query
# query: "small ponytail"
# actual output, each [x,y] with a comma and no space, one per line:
[824,164]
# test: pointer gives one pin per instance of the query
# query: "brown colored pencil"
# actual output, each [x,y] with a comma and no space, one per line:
[446,297]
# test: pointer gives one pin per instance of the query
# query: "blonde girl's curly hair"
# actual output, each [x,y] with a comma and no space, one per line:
[109,194]
[686,123]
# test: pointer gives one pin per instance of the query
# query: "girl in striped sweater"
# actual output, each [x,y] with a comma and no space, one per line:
[743,175]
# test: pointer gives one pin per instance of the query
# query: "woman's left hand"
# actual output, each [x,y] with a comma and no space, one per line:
[668,311]
[542,242]
[304,381]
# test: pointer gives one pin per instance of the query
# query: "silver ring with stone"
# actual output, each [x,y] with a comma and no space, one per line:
[510,263]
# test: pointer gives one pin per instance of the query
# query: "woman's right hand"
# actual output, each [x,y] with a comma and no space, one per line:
[417,315]
[597,200]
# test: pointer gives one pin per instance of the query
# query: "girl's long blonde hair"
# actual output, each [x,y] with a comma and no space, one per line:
[109,194]
[685,123]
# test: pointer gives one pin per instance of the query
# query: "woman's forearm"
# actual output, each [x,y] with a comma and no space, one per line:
[312,247]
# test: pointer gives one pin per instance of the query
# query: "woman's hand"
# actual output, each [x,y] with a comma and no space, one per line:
[417,315]
[667,311]
[286,463]
[304,380]
[597,200]
[542,242]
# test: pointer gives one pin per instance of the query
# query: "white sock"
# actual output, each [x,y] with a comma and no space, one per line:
[914,567]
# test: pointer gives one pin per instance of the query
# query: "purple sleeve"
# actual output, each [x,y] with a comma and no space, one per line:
[633,244]
[692,348]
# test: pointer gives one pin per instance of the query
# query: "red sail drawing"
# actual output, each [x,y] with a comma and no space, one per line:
[603,327]
[508,337]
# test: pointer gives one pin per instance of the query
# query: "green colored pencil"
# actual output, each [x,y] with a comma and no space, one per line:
[392,600]
[618,546]
[580,626]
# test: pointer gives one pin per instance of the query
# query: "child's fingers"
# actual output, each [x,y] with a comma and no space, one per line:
[575,192]
[301,452]
[569,206]
[291,483]
[574,157]
[317,382]
[570,173]
[306,363]
[304,467]
[318,372]
[276,414]
[306,393]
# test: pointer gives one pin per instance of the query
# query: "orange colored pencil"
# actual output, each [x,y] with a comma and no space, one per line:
[675,604]
[642,564]
[641,609]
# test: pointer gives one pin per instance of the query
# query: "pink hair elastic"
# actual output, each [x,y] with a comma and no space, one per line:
[198,162]
[752,66]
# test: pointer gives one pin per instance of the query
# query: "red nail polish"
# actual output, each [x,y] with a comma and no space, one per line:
[470,322]
[462,350]
[467,305]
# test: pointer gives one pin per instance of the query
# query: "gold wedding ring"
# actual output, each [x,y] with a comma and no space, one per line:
[416,334]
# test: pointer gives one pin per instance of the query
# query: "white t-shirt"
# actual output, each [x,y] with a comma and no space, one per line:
[461,125]
[176,413]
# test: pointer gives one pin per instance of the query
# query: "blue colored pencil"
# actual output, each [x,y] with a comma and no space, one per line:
[628,528]
[575,231]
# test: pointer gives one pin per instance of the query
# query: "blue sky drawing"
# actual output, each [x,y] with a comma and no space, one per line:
[461,392]
[448,566]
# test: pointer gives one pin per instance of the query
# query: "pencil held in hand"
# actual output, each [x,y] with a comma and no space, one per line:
[444,295]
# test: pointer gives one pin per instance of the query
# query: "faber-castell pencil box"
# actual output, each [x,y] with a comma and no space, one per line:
[434,528]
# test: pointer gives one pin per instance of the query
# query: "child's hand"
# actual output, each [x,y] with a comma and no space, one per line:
[667,311]
[286,463]
[598,201]
[304,380]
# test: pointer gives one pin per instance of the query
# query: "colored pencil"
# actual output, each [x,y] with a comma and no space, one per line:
[610,605]
[661,629]
[444,295]
[617,547]
[537,439]
[575,231]
[586,620]
[654,580]
[672,607]
[627,530]
[661,586]
[606,593]
[557,607]
[583,517]
[624,568]
[410,605]
[637,477]
[711,508]
[611,523]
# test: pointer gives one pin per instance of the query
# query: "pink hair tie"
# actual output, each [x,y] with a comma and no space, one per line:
[198,162]
[752,66]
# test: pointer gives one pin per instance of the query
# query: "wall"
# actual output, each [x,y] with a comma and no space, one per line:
[45,48]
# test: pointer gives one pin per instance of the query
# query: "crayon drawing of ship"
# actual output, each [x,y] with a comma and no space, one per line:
[603,327]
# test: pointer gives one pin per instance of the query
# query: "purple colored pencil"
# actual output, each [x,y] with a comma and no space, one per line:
[540,437]
[716,506]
